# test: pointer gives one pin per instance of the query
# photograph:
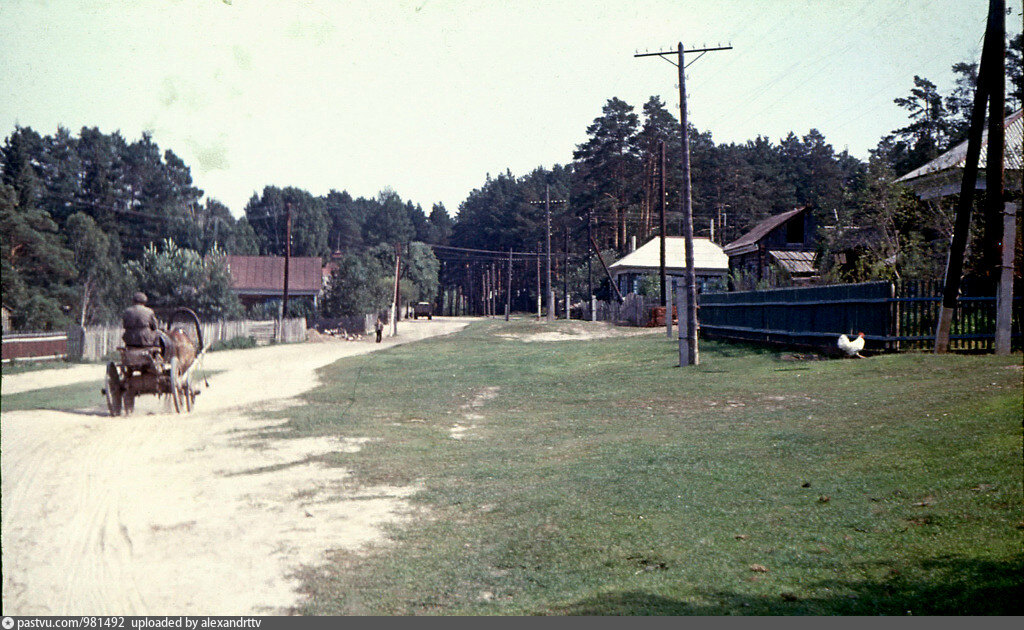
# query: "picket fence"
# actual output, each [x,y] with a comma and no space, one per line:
[94,343]
[634,310]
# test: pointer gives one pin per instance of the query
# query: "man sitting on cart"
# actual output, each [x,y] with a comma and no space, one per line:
[140,325]
[141,330]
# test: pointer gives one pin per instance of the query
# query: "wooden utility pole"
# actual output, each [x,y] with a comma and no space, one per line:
[508,291]
[394,300]
[287,257]
[539,298]
[688,342]
[693,357]
[962,223]
[590,277]
[661,211]
[547,250]
[1004,295]
[1000,219]
[495,283]
[565,271]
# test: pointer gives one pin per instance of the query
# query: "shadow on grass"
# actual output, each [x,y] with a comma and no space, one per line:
[954,587]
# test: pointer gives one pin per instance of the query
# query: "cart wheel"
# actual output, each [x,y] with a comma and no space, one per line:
[113,390]
[176,386]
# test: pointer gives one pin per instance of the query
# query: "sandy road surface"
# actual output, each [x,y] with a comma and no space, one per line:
[166,514]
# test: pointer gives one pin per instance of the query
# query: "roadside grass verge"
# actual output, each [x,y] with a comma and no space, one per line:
[74,397]
[598,478]
[21,367]
[63,398]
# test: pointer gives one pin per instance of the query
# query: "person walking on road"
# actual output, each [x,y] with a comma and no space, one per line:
[379,327]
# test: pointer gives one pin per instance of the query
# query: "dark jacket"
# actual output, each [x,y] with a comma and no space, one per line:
[140,326]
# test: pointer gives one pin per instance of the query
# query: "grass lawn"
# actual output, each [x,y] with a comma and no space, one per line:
[20,367]
[598,478]
[64,398]
[86,395]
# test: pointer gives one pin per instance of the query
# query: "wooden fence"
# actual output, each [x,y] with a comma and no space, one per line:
[635,310]
[893,317]
[96,342]
[34,346]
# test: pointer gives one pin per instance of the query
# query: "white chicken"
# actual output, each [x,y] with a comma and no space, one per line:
[852,348]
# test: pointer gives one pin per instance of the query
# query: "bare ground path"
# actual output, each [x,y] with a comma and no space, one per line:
[181,514]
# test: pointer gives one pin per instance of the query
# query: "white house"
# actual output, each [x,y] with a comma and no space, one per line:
[709,261]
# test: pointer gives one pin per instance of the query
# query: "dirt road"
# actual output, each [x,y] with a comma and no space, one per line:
[193,514]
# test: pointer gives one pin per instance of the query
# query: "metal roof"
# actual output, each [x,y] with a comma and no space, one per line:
[956,157]
[706,255]
[793,261]
[265,274]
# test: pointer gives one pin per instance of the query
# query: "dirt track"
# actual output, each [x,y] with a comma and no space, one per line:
[165,514]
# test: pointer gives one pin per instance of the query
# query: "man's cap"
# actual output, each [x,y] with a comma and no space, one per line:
[139,297]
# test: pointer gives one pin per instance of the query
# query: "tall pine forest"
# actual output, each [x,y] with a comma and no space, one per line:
[88,217]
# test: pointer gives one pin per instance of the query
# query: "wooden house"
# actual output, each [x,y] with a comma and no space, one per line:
[709,261]
[260,279]
[942,176]
[778,250]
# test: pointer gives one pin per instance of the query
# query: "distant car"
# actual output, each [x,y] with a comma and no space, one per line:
[423,308]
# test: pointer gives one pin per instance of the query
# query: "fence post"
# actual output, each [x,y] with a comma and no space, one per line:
[1004,298]
[76,341]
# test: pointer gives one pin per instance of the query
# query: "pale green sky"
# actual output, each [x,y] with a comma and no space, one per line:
[428,96]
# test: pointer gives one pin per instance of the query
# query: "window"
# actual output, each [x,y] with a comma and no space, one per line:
[795,230]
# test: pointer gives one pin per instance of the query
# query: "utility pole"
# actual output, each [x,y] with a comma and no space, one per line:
[547,214]
[1000,217]
[495,283]
[287,257]
[539,299]
[565,271]
[394,301]
[590,277]
[687,343]
[508,291]
[550,289]
[962,223]
[661,209]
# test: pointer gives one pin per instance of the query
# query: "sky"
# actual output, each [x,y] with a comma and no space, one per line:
[428,97]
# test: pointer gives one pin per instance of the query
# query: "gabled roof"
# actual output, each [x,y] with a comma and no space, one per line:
[706,255]
[956,157]
[264,275]
[762,229]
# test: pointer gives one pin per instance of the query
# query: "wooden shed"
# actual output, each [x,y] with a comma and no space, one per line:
[781,246]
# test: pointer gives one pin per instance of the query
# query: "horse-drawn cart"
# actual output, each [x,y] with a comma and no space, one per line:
[166,369]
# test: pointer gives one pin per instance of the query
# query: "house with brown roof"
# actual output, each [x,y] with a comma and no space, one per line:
[779,249]
[260,279]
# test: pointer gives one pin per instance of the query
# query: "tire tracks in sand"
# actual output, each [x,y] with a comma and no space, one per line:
[161,513]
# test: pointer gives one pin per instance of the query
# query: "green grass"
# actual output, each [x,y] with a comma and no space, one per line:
[603,479]
[235,343]
[75,397]
[64,398]
[20,367]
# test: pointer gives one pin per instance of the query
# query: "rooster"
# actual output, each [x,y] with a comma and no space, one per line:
[852,348]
